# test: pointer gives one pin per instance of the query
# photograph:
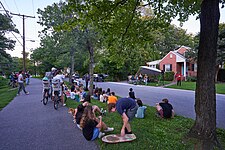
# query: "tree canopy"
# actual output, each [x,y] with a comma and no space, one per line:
[6,26]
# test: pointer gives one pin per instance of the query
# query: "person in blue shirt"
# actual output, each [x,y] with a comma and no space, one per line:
[127,108]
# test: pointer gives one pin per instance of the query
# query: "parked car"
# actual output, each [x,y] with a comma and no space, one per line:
[98,77]
[76,76]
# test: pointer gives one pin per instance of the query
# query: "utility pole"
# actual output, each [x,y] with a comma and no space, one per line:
[24,54]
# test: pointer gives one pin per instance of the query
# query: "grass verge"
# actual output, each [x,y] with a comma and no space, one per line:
[151,132]
[220,87]
[6,94]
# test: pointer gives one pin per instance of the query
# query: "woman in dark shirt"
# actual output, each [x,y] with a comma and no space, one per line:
[91,125]
[165,109]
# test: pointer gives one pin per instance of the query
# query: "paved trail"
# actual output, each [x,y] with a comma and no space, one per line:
[26,124]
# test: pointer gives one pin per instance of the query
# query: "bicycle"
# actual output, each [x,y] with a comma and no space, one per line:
[46,88]
[56,91]
[46,95]
[56,99]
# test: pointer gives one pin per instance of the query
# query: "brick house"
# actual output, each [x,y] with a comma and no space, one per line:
[177,62]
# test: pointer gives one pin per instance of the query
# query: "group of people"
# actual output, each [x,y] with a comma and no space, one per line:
[93,127]
[16,81]
[89,117]
[77,91]
[56,83]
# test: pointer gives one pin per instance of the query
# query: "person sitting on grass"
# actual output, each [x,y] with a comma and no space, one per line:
[112,99]
[80,109]
[131,93]
[165,109]
[127,108]
[141,109]
[92,126]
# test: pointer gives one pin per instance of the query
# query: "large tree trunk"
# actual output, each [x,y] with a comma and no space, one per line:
[72,63]
[91,65]
[204,127]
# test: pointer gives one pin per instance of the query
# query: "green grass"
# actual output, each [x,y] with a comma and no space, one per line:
[220,87]
[151,132]
[184,86]
[161,83]
[6,96]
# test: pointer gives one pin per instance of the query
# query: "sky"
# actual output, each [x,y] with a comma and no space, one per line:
[29,8]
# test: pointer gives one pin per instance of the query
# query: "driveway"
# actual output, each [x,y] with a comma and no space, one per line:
[26,124]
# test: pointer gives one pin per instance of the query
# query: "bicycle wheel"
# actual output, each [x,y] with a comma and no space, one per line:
[45,98]
[56,102]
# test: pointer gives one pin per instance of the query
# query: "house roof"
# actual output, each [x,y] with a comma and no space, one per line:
[181,58]
[148,70]
[154,62]
[186,47]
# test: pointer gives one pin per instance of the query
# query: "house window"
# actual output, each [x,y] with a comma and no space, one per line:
[171,55]
[192,67]
[167,67]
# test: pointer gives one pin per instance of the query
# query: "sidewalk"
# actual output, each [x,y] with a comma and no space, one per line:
[27,124]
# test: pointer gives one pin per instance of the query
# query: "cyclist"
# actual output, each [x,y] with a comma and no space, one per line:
[60,77]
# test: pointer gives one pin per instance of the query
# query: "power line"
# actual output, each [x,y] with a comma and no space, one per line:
[16,6]
[24,62]
[10,17]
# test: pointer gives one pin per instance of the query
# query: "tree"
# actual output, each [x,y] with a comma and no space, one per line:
[61,46]
[6,43]
[107,15]
[220,49]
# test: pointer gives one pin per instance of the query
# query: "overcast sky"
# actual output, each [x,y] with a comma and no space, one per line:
[29,7]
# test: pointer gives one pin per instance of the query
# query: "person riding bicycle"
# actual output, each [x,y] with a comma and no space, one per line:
[60,77]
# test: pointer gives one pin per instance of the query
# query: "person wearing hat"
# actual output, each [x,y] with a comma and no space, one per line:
[132,94]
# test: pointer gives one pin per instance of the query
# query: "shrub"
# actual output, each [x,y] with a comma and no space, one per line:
[3,81]
[169,76]
[191,79]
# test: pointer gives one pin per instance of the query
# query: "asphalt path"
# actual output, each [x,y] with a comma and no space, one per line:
[26,124]
[182,100]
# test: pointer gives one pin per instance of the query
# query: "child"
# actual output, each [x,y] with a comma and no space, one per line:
[92,126]
[112,99]
[131,94]
[141,109]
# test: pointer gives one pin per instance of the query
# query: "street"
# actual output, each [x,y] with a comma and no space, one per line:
[182,100]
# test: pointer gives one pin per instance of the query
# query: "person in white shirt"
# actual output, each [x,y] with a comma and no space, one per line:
[21,84]
[60,77]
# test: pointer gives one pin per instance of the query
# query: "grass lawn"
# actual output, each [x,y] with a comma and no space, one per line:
[6,95]
[161,83]
[151,132]
[220,87]
[155,83]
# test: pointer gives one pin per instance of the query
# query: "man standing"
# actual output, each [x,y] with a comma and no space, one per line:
[178,77]
[21,84]
[127,108]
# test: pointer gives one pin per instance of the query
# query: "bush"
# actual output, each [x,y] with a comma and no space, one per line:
[191,79]
[3,81]
[169,76]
